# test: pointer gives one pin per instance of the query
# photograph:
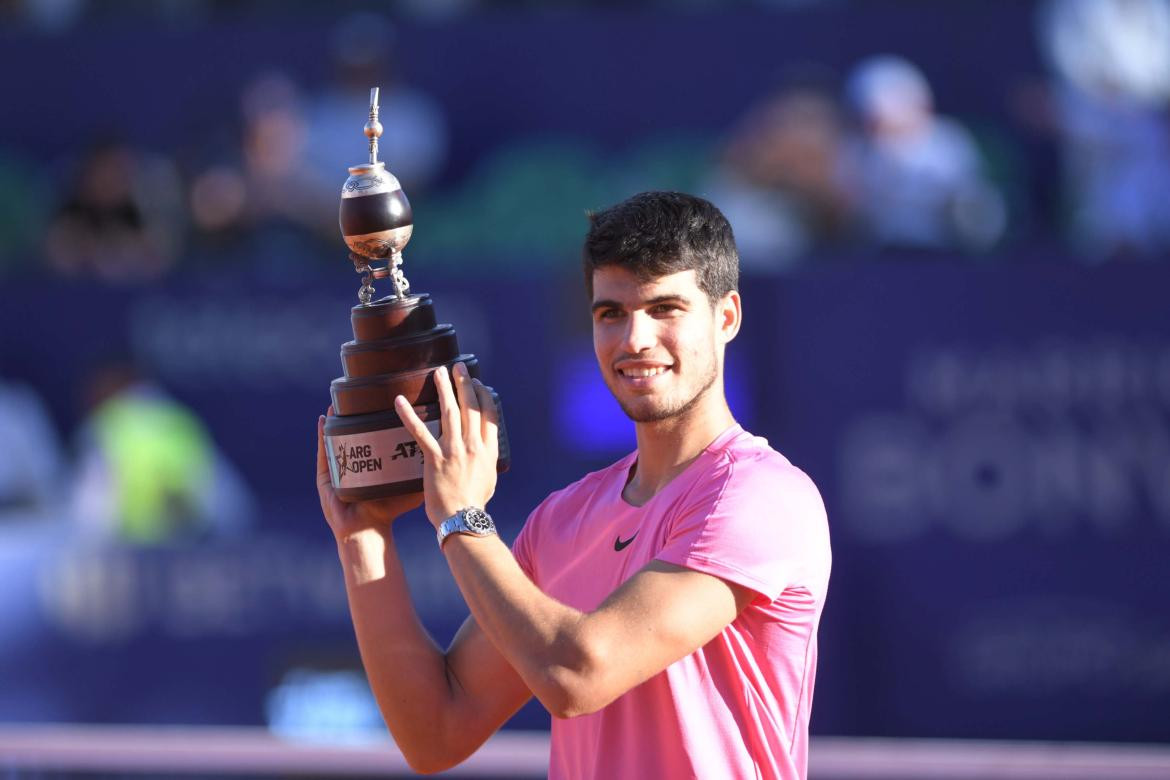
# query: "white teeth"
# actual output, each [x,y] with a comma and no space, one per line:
[643,372]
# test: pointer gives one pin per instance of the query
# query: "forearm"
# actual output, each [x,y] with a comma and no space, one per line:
[543,639]
[540,639]
[406,670]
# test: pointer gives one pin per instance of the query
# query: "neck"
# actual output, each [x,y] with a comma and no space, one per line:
[666,447]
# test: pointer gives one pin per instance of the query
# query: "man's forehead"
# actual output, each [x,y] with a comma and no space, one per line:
[615,283]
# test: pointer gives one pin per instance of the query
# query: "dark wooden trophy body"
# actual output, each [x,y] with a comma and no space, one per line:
[397,345]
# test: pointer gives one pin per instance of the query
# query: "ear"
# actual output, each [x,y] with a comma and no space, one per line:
[729,315]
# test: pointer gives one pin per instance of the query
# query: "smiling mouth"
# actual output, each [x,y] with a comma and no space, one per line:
[642,373]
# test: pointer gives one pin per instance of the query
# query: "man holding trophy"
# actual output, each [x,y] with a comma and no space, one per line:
[664,609]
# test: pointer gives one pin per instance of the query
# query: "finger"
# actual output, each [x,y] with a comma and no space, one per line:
[448,408]
[416,428]
[468,404]
[491,417]
[325,492]
[322,461]
[487,407]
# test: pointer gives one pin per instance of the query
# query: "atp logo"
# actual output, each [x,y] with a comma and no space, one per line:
[407,449]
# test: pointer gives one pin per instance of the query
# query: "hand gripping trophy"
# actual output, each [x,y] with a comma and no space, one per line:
[397,344]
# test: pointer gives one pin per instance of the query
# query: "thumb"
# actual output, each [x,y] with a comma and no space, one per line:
[323,478]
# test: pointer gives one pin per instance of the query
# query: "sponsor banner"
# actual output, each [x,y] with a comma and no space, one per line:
[993,448]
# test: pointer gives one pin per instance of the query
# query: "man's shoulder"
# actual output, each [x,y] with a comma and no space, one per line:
[749,463]
[749,456]
[752,518]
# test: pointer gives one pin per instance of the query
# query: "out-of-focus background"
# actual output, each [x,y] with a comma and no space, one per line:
[954,220]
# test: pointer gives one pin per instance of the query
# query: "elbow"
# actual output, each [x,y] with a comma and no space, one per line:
[428,762]
[576,683]
[428,768]
[424,767]
[574,700]
[434,755]
[423,763]
[558,700]
[572,708]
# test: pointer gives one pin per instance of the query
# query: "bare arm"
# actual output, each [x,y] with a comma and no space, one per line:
[578,662]
[440,707]
[574,662]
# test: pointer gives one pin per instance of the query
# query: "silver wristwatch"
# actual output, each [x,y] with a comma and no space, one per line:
[471,520]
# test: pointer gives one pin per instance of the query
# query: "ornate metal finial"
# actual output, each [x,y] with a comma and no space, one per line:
[375,217]
[373,127]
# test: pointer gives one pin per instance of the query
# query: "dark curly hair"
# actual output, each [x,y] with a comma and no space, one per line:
[654,234]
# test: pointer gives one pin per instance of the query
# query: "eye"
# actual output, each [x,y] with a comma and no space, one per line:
[663,309]
[609,314]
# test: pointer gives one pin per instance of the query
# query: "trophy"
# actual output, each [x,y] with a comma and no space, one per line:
[397,344]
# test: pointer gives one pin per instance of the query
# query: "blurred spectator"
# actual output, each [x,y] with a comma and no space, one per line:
[31,466]
[1112,64]
[120,220]
[915,178]
[149,472]
[414,137]
[777,180]
[264,195]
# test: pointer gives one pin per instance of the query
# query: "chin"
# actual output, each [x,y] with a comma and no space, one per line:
[654,408]
[647,414]
[645,410]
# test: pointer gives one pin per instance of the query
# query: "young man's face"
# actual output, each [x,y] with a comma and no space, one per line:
[659,343]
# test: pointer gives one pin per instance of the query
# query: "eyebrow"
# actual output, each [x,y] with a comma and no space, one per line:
[610,304]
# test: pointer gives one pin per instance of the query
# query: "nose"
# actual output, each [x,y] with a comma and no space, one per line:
[640,334]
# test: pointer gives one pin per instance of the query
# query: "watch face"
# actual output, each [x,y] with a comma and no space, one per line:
[479,521]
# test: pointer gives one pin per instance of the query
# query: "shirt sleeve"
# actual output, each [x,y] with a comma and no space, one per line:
[522,546]
[756,524]
[527,545]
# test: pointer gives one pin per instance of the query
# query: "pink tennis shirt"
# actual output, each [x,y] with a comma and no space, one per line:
[739,706]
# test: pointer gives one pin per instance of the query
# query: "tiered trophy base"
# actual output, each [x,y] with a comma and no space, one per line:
[396,349]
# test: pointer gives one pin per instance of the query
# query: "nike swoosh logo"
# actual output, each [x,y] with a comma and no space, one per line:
[619,545]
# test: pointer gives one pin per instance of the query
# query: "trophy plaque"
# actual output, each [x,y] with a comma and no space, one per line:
[397,344]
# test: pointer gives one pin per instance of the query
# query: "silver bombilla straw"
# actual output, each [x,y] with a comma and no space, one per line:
[373,127]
